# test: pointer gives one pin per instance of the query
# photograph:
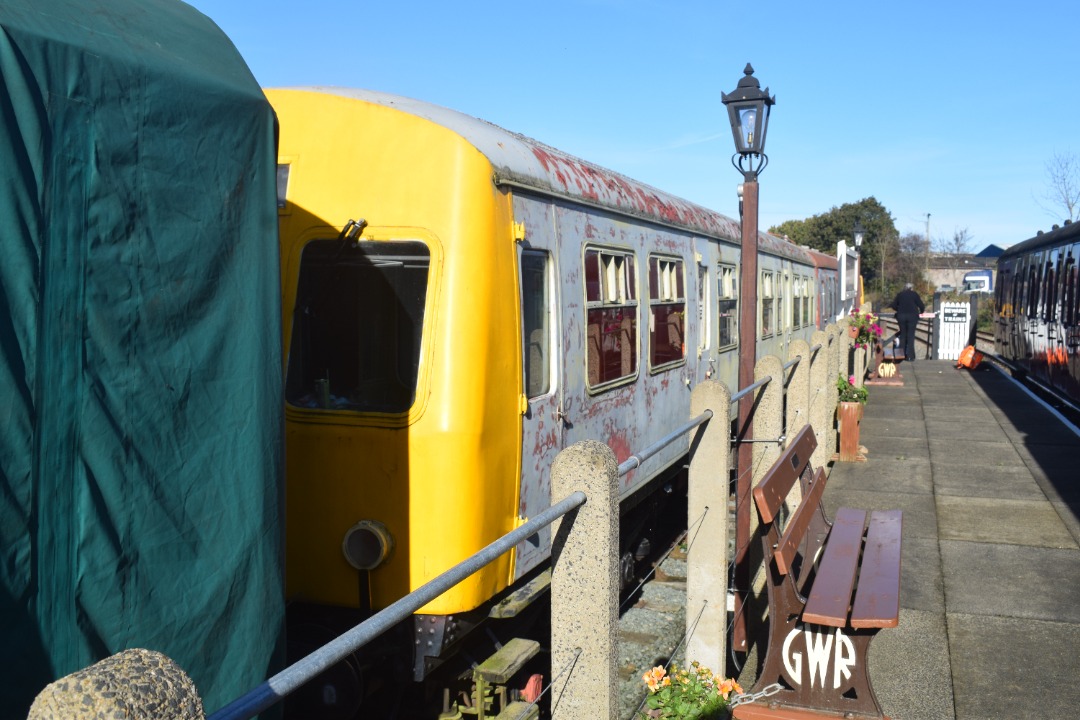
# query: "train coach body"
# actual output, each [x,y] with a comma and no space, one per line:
[1038,308]
[502,301]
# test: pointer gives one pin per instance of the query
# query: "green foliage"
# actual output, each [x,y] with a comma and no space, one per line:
[849,392]
[822,232]
[694,694]
[986,314]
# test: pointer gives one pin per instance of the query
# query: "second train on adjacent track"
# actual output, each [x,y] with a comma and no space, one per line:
[1038,309]
[460,304]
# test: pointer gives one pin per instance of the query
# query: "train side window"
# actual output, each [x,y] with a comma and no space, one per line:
[783,303]
[1070,300]
[704,308]
[727,306]
[799,302]
[357,325]
[808,302]
[1031,308]
[1057,291]
[1048,292]
[767,295]
[536,321]
[611,316]
[667,311]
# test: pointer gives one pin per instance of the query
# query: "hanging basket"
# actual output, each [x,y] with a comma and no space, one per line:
[853,331]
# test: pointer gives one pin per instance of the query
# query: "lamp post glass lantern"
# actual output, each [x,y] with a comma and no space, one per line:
[748,109]
[860,233]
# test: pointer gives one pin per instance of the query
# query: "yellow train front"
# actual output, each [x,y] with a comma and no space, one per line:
[460,303]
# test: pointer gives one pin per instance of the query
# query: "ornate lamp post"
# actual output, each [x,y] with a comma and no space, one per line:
[748,109]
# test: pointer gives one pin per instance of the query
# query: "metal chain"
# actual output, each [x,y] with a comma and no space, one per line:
[747,698]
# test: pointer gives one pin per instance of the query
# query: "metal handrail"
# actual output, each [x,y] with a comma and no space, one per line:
[276,688]
[635,461]
[793,362]
[751,388]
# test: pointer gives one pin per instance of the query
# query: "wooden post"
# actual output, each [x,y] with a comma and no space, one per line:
[748,283]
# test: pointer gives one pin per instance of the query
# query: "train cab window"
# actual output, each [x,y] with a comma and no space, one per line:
[611,316]
[727,305]
[536,321]
[667,311]
[768,294]
[357,326]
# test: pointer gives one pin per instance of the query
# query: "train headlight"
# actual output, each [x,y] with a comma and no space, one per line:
[367,544]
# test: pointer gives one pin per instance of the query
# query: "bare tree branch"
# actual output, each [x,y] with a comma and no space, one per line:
[1063,186]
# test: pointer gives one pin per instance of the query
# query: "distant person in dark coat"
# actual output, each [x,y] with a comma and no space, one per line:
[908,305]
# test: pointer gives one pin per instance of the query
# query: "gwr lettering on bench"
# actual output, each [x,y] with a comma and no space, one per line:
[831,586]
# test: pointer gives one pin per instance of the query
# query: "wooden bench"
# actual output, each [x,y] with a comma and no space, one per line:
[831,586]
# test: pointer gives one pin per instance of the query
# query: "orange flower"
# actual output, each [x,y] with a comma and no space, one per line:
[655,678]
[725,687]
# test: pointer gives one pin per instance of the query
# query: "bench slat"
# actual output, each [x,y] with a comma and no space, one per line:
[789,544]
[877,600]
[770,493]
[830,597]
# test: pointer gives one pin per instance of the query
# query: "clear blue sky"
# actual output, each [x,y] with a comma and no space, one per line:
[951,108]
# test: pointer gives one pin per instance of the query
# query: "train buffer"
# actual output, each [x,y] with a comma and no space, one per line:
[822,615]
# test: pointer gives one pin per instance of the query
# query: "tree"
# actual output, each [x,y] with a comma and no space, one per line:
[959,244]
[1063,186]
[910,263]
[822,232]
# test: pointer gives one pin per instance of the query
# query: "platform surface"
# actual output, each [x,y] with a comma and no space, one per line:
[989,483]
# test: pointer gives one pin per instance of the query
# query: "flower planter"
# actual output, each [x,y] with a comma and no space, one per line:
[849,414]
[853,331]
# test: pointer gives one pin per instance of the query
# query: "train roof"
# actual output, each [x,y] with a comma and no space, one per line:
[521,161]
[1067,233]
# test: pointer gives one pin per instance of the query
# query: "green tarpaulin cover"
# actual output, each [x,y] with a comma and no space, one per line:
[140,360]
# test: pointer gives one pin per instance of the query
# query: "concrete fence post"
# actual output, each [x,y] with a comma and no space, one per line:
[832,393]
[585,585]
[820,409]
[768,416]
[136,683]
[707,536]
[797,398]
[768,427]
[797,406]
[860,366]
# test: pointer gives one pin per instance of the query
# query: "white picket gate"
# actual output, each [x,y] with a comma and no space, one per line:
[953,329]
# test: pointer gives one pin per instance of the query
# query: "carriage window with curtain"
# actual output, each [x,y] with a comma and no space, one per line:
[797,291]
[767,294]
[727,305]
[611,316]
[667,311]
